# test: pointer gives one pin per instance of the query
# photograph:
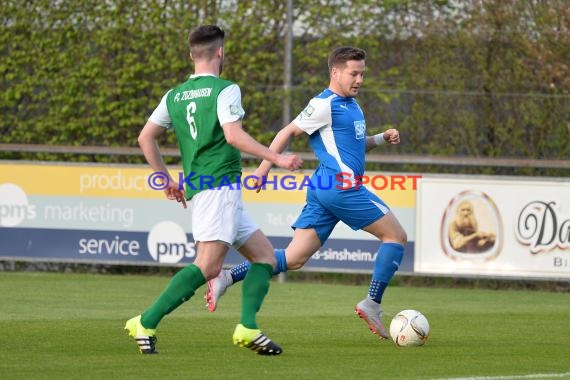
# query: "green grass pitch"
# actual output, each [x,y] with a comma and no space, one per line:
[70,326]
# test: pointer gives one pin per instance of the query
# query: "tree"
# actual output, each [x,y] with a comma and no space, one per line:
[479,78]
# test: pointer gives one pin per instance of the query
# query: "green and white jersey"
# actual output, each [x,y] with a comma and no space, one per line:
[196,110]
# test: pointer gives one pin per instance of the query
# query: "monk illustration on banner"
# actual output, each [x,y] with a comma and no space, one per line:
[463,232]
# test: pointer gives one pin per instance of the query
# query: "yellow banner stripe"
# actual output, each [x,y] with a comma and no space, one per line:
[133,182]
[80,180]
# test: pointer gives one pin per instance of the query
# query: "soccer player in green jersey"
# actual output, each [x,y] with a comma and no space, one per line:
[206,114]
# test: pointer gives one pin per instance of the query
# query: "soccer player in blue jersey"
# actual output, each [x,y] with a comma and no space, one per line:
[337,132]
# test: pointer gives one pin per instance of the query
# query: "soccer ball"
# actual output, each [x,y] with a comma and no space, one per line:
[409,328]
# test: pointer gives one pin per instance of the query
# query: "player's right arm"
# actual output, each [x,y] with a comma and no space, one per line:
[230,115]
[316,115]
[236,136]
[279,144]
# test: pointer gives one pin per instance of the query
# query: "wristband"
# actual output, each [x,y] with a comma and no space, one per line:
[379,139]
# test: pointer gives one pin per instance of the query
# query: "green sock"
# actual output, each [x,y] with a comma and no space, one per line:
[180,289]
[255,287]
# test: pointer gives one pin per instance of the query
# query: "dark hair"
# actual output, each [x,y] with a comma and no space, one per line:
[204,40]
[341,55]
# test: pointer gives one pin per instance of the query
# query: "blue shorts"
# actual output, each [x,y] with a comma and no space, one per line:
[357,208]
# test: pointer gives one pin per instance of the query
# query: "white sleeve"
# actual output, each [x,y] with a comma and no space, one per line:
[316,115]
[229,105]
[160,114]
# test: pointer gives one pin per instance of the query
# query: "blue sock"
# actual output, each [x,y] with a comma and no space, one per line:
[239,271]
[387,263]
[281,261]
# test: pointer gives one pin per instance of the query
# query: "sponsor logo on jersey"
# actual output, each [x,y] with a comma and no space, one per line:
[236,110]
[360,129]
[307,112]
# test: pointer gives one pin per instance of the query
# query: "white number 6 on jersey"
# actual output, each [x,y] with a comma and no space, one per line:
[191,110]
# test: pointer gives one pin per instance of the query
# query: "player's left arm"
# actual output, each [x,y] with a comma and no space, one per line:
[390,136]
[148,143]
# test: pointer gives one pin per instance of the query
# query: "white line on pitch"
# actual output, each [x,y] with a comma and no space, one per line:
[513,377]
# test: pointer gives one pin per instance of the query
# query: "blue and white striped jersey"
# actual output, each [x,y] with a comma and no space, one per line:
[337,132]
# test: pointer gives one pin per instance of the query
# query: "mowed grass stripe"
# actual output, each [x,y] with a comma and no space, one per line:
[61,326]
